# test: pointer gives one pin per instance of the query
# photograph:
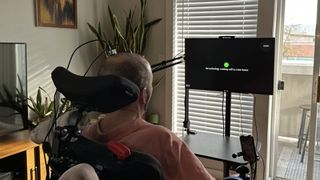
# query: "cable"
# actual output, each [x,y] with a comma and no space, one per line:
[240,100]
[162,63]
[69,62]
[57,94]
[178,53]
[94,60]
[56,105]
[255,122]
[222,111]
[263,171]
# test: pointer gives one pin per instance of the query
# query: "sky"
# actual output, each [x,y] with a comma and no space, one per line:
[300,12]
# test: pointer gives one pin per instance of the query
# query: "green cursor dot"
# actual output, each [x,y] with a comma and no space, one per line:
[226,64]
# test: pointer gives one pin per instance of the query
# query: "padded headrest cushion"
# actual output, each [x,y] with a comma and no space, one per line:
[100,93]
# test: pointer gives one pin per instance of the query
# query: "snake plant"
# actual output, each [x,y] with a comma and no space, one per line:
[128,38]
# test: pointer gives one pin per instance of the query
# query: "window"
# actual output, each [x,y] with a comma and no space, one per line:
[207,18]
[299,36]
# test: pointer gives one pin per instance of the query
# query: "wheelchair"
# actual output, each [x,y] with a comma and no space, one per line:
[64,144]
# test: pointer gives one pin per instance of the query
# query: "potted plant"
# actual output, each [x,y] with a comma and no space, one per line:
[43,106]
[16,101]
[128,38]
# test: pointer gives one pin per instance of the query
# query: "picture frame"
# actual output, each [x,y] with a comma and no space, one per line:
[56,13]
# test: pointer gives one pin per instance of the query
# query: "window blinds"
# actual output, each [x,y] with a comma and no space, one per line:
[205,19]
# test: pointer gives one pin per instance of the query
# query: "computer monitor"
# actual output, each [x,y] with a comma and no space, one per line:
[244,65]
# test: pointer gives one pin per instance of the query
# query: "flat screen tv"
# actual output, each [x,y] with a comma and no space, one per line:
[12,68]
[244,65]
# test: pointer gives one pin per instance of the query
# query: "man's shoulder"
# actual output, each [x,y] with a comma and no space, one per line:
[161,132]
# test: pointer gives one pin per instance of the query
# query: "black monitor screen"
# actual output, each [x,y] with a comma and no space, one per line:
[244,65]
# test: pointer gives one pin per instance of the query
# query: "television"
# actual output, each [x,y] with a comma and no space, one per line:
[243,65]
[13,78]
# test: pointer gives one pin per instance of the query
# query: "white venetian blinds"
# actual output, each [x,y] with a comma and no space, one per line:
[204,19]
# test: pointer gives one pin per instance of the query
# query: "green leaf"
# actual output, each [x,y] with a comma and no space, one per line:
[45,92]
[98,34]
[156,82]
[39,99]
[151,23]
[111,17]
[15,100]
[131,37]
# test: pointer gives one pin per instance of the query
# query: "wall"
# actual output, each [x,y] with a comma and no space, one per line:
[262,107]
[48,47]
[159,47]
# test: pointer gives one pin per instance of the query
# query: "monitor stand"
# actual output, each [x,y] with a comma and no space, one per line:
[186,122]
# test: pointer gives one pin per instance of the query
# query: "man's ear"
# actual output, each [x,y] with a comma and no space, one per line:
[143,96]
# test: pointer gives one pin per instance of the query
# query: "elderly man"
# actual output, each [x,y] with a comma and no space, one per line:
[127,125]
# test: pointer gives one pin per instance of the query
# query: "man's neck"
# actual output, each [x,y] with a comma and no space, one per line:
[112,120]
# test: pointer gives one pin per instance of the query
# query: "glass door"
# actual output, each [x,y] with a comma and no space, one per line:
[297,147]
[314,150]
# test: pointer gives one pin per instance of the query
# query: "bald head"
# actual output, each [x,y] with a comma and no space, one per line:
[131,66]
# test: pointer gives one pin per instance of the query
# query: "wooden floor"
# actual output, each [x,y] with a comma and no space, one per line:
[289,165]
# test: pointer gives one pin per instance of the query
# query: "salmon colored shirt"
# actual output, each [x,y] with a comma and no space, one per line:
[176,159]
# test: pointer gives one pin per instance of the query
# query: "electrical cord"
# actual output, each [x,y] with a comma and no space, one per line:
[257,137]
[222,111]
[94,60]
[57,94]
[57,97]
[95,40]
[240,101]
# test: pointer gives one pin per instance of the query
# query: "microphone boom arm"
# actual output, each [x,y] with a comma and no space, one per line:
[166,64]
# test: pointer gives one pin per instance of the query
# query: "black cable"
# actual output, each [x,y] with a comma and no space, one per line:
[57,94]
[56,105]
[255,122]
[240,101]
[165,66]
[222,111]
[80,47]
[94,60]
[166,62]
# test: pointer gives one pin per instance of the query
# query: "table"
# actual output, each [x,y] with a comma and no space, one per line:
[19,154]
[216,147]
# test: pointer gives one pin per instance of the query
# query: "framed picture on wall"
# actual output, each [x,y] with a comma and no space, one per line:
[56,13]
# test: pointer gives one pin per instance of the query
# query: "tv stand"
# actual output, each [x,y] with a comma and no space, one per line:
[228,114]
[227,120]
[22,157]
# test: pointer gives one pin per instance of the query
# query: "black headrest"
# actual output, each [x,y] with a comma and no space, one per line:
[100,93]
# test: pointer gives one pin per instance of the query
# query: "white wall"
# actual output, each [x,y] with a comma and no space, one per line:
[48,47]
[262,108]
